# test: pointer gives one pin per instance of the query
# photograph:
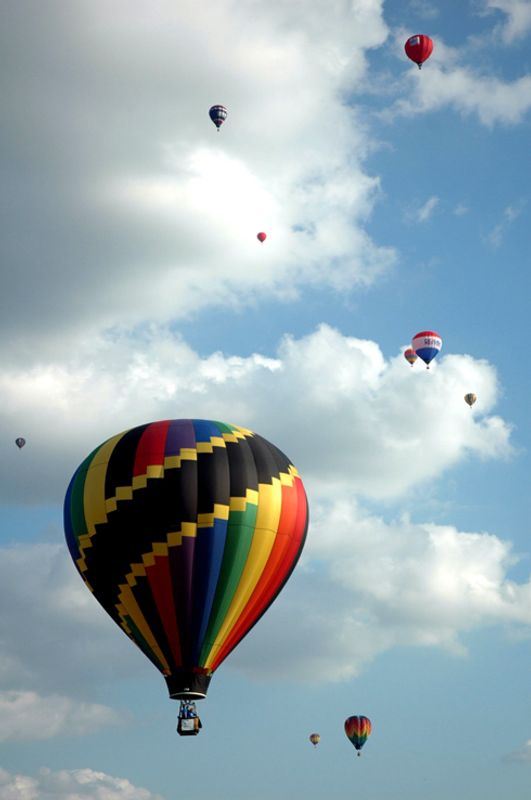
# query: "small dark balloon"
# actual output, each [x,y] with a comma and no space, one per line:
[20,442]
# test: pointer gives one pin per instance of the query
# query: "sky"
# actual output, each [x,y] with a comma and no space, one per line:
[394,200]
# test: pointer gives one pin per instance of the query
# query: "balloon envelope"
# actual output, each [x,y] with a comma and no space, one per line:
[315,739]
[410,356]
[426,345]
[470,398]
[186,531]
[20,442]
[358,730]
[218,115]
[261,236]
[419,48]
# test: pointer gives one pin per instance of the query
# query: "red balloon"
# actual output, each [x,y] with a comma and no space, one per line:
[418,48]
[261,237]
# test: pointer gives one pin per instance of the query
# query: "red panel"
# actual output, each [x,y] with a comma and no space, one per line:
[160,583]
[150,450]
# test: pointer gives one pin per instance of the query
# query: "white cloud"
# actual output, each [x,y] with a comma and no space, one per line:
[497,234]
[137,208]
[424,212]
[494,101]
[518,18]
[523,755]
[41,634]
[382,585]
[77,784]
[25,715]
[335,405]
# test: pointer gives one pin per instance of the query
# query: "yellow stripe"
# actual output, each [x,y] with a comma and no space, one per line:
[240,503]
[208,447]
[207,520]
[269,507]
[127,599]
[94,489]
[185,454]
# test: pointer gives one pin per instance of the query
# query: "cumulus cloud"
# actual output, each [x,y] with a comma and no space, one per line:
[25,715]
[42,650]
[121,201]
[381,585]
[333,403]
[518,18]
[491,99]
[77,784]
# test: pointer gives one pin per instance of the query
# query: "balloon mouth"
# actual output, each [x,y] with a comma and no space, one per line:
[188,684]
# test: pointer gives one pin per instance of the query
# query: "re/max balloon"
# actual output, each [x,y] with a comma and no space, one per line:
[426,345]
[186,531]
[218,115]
[358,729]
[419,48]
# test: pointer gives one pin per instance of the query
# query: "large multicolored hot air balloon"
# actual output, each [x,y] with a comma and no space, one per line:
[314,739]
[358,730]
[419,48]
[426,345]
[186,531]
[470,398]
[410,356]
[20,442]
[218,115]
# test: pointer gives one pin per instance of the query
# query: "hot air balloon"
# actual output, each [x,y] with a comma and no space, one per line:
[419,48]
[358,730]
[470,398]
[314,739]
[186,531]
[218,115]
[410,356]
[426,345]
[20,442]
[261,236]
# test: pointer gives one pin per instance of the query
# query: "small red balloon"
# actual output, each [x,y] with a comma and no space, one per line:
[419,48]
[261,237]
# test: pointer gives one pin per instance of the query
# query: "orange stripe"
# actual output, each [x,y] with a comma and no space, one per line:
[292,525]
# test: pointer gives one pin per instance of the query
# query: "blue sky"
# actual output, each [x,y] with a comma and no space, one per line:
[134,289]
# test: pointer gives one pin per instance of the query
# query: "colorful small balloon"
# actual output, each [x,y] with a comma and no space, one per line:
[20,442]
[218,115]
[410,356]
[426,345]
[419,48]
[358,730]
[261,236]
[470,398]
[314,739]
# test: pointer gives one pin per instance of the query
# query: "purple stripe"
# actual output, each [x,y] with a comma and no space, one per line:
[180,434]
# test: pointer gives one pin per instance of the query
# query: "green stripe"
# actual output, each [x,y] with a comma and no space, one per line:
[240,532]
[77,504]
